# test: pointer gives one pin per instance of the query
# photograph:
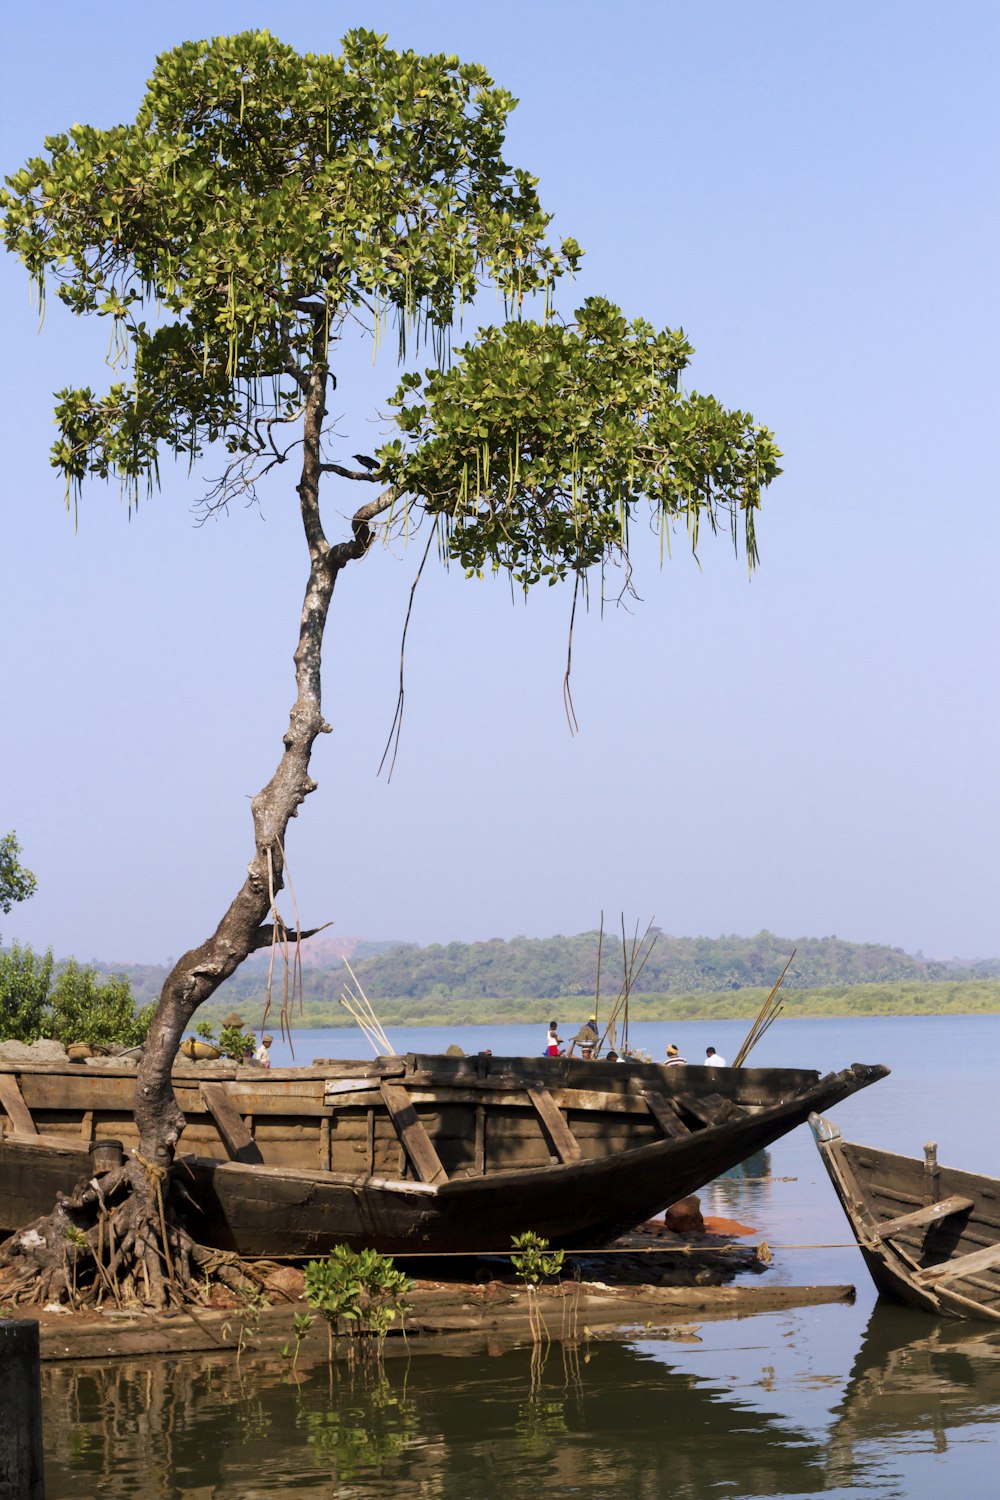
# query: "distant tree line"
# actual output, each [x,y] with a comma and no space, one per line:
[559,968]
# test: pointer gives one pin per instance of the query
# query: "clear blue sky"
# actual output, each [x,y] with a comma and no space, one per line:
[810,191]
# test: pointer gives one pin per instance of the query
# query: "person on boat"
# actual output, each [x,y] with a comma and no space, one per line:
[553,1041]
[713,1060]
[263,1053]
[674,1055]
[586,1036]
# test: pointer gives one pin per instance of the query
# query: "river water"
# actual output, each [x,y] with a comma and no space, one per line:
[844,1400]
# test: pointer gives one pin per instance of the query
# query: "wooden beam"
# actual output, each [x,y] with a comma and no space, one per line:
[567,1146]
[17,1111]
[236,1138]
[986,1259]
[664,1113]
[710,1109]
[412,1134]
[932,1214]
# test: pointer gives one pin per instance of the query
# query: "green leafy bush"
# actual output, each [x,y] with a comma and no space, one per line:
[535,1262]
[234,1042]
[358,1287]
[25,977]
[71,1004]
[82,1009]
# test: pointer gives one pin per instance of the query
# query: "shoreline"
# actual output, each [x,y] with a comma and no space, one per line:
[451,1312]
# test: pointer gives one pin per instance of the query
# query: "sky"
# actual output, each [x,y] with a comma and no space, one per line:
[809,191]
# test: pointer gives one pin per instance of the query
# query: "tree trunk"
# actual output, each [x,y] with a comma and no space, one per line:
[201,970]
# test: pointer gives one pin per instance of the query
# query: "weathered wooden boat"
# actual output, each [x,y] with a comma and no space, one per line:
[413,1154]
[930,1235]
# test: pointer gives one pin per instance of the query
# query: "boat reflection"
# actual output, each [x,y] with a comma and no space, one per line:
[744,1189]
[910,1389]
[609,1420]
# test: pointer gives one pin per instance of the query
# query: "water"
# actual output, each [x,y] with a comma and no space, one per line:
[861,1401]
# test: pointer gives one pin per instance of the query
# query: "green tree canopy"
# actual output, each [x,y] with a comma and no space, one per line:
[263,202]
[16,883]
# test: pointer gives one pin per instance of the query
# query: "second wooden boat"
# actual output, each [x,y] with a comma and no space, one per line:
[413,1154]
[930,1235]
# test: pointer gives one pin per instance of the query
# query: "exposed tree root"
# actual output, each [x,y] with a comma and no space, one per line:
[119,1240]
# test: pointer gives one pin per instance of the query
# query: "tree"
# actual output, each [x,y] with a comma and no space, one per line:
[261,208]
[16,883]
[25,978]
[86,1009]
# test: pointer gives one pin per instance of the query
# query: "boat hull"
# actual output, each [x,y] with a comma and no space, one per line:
[419,1155]
[929,1235]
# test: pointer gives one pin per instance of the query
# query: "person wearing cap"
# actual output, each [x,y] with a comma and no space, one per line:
[586,1036]
[263,1053]
[674,1055]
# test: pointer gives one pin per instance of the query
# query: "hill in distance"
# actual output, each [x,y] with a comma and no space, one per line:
[442,977]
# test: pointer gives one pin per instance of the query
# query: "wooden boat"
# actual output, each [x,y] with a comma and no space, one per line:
[930,1236]
[412,1154]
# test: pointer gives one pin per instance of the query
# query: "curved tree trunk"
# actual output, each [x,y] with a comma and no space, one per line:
[201,970]
[118,1231]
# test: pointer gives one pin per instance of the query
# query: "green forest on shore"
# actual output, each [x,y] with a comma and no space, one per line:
[901,999]
[534,979]
[522,980]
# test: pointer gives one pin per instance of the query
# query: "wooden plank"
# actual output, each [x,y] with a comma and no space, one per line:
[663,1113]
[236,1138]
[710,1109]
[964,1265]
[412,1135]
[334,1087]
[566,1144]
[932,1214]
[17,1111]
[480,1148]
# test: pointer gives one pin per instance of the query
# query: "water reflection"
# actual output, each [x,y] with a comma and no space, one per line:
[742,1190]
[612,1423]
[761,1408]
[917,1386]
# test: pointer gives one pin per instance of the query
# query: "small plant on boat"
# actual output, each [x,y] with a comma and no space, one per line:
[235,1043]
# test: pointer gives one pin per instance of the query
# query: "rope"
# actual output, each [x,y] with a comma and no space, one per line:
[639,1250]
[156,1175]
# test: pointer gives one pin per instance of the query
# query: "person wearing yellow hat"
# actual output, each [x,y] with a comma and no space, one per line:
[674,1055]
[586,1036]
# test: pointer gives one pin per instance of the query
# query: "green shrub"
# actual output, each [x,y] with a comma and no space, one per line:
[358,1287]
[25,977]
[84,1010]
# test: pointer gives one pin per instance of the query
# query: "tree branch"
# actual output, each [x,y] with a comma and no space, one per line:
[349,473]
[264,936]
[363,535]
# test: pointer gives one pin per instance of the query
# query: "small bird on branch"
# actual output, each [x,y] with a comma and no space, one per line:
[365,461]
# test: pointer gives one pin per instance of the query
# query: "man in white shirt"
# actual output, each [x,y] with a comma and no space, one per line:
[713,1060]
